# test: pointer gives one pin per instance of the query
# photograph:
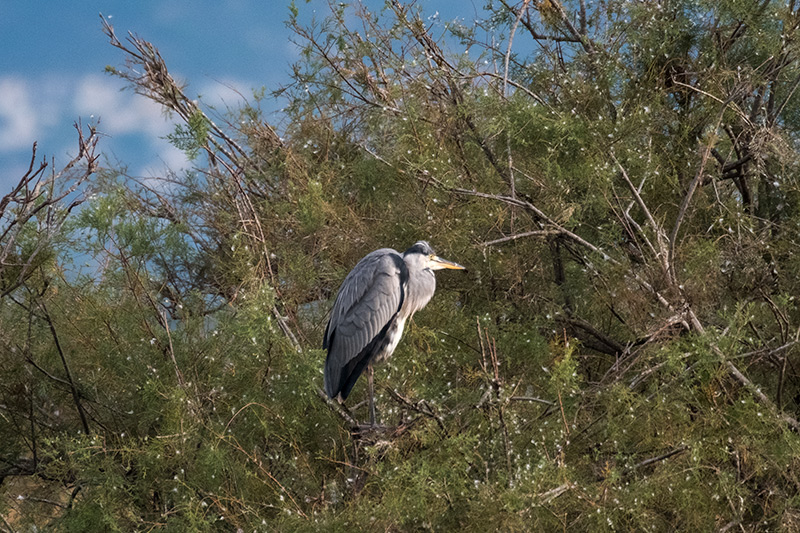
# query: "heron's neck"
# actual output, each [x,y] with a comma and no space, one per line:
[420,288]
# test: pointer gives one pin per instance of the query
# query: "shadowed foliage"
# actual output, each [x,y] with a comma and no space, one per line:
[621,180]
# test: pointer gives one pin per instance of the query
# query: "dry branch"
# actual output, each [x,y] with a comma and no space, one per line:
[147,73]
[46,200]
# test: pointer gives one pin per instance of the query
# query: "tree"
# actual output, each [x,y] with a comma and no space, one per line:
[621,179]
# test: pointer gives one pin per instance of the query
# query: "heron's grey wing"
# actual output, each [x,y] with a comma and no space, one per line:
[368,299]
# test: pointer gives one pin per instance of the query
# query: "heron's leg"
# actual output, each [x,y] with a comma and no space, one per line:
[371,392]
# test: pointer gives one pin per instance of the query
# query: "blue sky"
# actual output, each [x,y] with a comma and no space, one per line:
[54,55]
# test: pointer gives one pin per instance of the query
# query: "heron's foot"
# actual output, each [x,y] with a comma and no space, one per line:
[378,434]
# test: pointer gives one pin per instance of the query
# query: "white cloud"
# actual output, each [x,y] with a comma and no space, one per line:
[225,93]
[124,114]
[132,127]
[19,123]
[119,112]
[168,159]
[173,158]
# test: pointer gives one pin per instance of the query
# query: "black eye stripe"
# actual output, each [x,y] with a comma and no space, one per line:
[421,247]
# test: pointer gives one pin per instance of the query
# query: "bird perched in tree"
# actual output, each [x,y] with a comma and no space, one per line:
[376,298]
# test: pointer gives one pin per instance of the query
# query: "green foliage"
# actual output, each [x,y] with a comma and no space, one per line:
[192,136]
[621,354]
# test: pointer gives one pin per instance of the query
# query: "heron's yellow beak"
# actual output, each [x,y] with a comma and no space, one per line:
[437,263]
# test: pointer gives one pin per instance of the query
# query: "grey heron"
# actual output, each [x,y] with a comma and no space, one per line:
[376,298]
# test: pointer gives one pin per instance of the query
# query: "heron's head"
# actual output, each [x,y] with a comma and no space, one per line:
[425,254]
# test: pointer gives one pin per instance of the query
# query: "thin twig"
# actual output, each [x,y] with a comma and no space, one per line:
[552,494]
[509,156]
[536,233]
[76,396]
[756,391]
[687,199]
[165,324]
[563,415]
[337,408]
[662,255]
[785,100]
[532,399]
[422,407]
[659,458]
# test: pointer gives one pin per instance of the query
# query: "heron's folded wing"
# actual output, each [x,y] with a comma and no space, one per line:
[368,299]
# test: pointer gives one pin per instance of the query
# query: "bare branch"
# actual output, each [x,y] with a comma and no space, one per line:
[662,254]
[517,86]
[337,408]
[76,396]
[552,494]
[538,213]
[148,75]
[422,407]
[46,199]
[777,113]
[535,233]
[614,347]
[532,399]
[656,459]
[687,199]
[760,396]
